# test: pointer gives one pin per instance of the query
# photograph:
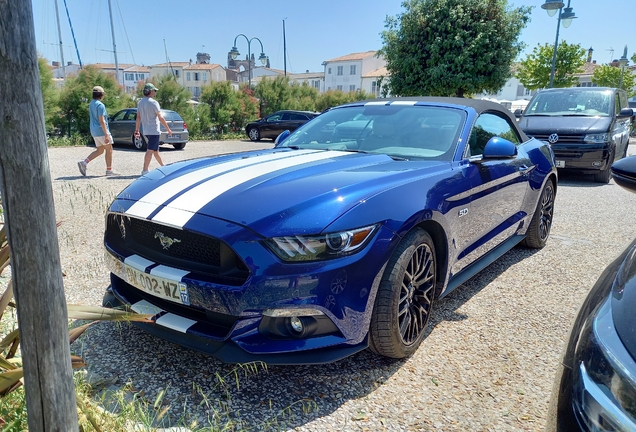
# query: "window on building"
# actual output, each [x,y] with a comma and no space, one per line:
[196,76]
[340,70]
[187,76]
[352,87]
[328,71]
[315,84]
[205,76]
[129,77]
[352,70]
[374,87]
[177,73]
[527,93]
[339,87]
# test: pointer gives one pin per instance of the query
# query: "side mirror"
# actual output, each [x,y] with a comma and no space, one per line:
[499,148]
[518,112]
[624,173]
[626,112]
[280,138]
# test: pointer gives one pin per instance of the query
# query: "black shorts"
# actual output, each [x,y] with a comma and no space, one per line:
[153,142]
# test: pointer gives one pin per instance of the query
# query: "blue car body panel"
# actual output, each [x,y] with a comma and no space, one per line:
[480,208]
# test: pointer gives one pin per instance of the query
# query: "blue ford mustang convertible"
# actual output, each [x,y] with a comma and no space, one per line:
[339,238]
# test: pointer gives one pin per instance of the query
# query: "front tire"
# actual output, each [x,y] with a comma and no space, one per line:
[179,146]
[405,297]
[140,142]
[539,230]
[254,134]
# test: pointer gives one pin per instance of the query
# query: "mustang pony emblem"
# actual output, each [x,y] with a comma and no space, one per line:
[166,242]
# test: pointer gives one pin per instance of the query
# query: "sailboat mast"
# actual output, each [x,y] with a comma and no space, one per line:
[59,33]
[284,50]
[112,29]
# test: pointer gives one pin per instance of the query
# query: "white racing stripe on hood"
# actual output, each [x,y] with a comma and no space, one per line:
[179,212]
[151,201]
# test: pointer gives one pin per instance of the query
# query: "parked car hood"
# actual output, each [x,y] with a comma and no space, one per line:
[624,301]
[284,200]
[566,125]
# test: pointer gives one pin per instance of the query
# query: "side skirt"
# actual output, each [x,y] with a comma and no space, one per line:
[481,263]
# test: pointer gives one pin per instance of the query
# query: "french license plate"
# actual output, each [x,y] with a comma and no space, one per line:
[560,164]
[177,136]
[158,286]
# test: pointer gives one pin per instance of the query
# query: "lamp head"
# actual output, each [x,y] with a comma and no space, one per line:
[234,53]
[567,16]
[551,6]
[263,59]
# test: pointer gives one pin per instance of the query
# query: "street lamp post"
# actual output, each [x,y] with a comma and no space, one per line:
[552,6]
[623,64]
[235,53]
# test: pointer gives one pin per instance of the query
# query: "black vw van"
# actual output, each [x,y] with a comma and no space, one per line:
[588,127]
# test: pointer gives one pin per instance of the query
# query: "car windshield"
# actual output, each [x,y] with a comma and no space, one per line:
[400,131]
[596,103]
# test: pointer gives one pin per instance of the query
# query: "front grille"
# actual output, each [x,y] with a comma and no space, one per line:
[563,139]
[182,249]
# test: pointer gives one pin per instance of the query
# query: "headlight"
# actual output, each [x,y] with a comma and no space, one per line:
[320,247]
[604,387]
[596,138]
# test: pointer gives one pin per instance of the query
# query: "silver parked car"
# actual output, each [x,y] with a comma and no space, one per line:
[122,128]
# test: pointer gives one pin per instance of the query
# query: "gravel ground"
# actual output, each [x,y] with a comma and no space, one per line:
[487,363]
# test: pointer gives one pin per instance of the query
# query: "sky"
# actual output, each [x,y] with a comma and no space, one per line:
[151,32]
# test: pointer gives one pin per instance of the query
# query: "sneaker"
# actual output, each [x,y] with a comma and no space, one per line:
[82,167]
[144,172]
[112,173]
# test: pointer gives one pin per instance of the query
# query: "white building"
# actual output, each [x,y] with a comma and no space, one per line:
[345,73]
[374,81]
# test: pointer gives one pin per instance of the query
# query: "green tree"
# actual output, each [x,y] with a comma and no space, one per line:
[334,98]
[171,95]
[229,109]
[610,76]
[78,92]
[50,94]
[534,72]
[452,47]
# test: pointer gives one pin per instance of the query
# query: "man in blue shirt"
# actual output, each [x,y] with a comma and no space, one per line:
[100,132]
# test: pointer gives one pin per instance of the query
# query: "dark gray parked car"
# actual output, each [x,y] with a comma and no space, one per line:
[272,125]
[122,128]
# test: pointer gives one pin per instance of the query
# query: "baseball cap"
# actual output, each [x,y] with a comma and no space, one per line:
[150,86]
[99,89]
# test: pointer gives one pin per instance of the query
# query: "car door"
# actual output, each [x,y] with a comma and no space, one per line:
[296,120]
[498,189]
[116,125]
[271,126]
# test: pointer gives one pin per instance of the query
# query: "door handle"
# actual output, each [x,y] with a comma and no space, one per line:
[524,168]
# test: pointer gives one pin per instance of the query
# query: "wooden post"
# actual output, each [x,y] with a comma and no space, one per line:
[27,197]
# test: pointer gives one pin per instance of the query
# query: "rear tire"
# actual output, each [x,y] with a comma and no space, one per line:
[539,230]
[179,146]
[254,134]
[140,142]
[405,297]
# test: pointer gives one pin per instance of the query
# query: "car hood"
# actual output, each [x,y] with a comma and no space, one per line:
[273,192]
[624,301]
[566,125]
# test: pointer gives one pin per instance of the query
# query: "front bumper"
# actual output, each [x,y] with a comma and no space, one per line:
[250,321]
[583,157]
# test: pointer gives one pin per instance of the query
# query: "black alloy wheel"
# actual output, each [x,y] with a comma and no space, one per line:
[539,229]
[405,297]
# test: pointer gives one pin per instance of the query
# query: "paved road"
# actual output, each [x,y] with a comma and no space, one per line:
[487,363]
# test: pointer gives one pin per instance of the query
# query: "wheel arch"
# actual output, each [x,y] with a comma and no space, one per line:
[440,241]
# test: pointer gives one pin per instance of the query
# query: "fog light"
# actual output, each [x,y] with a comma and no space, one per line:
[597,163]
[296,325]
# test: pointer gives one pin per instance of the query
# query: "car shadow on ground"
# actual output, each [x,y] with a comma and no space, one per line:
[254,397]
[570,178]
